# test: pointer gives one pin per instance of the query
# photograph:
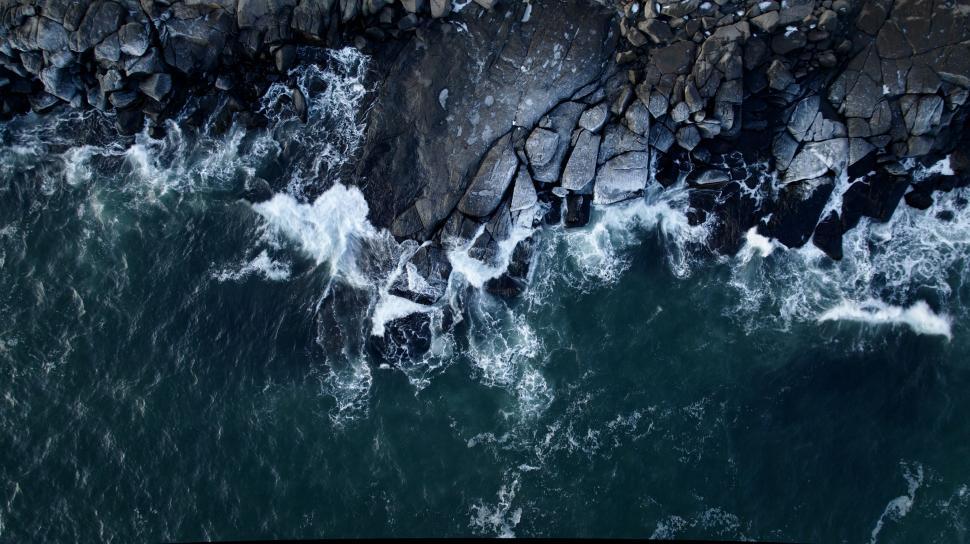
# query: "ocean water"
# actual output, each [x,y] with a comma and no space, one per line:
[179,364]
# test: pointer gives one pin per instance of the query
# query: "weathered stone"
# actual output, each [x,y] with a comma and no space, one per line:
[60,83]
[101,19]
[680,113]
[863,97]
[491,181]
[111,81]
[541,146]
[657,105]
[673,59]
[109,50]
[413,6]
[622,100]
[688,137]
[661,137]
[581,166]
[617,140]
[311,17]
[779,78]
[123,99]
[440,8]
[193,42]
[678,8]
[921,79]
[284,57]
[796,212]
[891,43]
[803,116]
[638,118]
[144,65]
[767,22]
[828,21]
[787,42]
[562,120]
[133,38]
[871,17]
[793,11]
[921,113]
[657,30]
[828,235]
[156,86]
[859,148]
[818,158]
[882,118]
[523,192]
[621,178]
[594,118]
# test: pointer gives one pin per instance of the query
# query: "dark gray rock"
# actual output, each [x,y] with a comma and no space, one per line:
[581,166]
[123,99]
[657,30]
[424,278]
[101,19]
[489,184]
[147,64]
[312,17]
[133,38]
[109,50]
[673,59]
[194,37]
[527,67]
[440,8]
[818,158]
[541,146]
[803,116]
[795,213]
[561,121]
[594,118]
[921,113]
[637,118]
[688,137]
[621,178]
[779,78]
[524,194]
[617,140]
[61,83]
[156,86]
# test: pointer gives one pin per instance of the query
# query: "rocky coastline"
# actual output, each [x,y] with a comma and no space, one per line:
[490,115]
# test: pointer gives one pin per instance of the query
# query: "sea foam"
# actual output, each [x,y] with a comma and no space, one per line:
[919,317]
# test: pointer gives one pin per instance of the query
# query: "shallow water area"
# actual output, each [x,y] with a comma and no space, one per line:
[179,364]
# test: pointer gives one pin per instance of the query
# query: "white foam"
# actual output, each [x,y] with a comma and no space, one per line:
[476,272]
[899,507]
[329,230]
[919,317]
[261,265]
[501,518]
[914,256]
[941,167]
[756,245]
[391,307]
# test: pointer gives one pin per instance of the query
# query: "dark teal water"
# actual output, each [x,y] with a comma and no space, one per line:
[177,364]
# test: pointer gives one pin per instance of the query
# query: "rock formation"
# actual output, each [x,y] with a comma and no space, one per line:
[492,115]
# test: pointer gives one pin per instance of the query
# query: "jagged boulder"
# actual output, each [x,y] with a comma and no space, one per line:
[489,184]
[622,177]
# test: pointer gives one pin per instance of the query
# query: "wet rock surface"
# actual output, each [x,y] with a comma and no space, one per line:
[799,118]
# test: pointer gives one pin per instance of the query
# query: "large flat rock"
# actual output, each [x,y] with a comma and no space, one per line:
[457,87]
